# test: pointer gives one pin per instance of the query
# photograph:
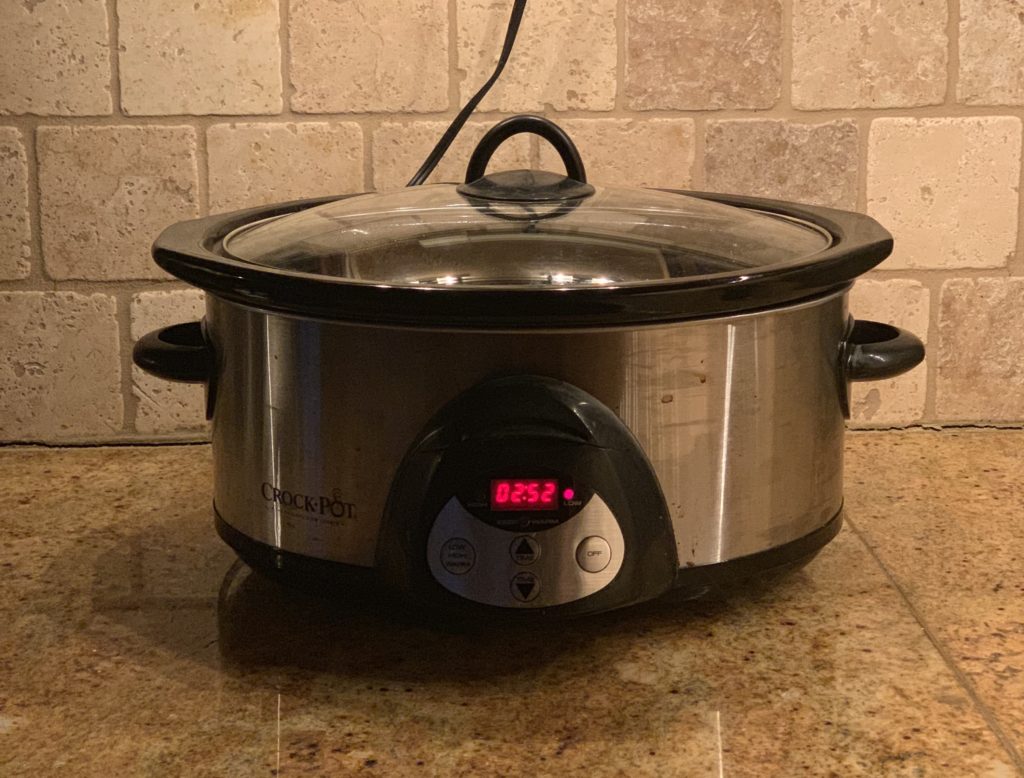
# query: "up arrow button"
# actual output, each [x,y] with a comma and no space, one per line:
[524,550]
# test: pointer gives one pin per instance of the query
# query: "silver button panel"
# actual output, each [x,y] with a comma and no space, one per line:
[493,566]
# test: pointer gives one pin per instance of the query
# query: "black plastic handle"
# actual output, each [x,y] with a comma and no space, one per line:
[180,352]
[514,125]
[874,351]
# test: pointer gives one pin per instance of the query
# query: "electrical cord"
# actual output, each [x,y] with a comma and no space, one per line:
[518,8]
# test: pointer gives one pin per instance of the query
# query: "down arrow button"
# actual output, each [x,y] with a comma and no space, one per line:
[525,586]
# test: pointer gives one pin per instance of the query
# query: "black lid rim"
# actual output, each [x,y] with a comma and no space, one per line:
[190,250]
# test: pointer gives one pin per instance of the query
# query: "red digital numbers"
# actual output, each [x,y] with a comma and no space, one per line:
[524,495]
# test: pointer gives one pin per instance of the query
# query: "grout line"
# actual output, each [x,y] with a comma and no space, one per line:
[619,105]
[952,51]
[368,127]
[1015,264]
[47,281]
[36,277]
[925,274]
[285,46]
[863,149]
[114,26]
[454,82]
[987,714]
[698,170]
[93,286]
[202,168]
[287,116]
[786,65]
[124,338]
[932,349]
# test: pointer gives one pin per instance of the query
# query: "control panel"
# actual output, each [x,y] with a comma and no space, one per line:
[527,496]
[513,568]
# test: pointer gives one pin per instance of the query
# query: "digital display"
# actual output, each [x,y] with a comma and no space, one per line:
[524,494]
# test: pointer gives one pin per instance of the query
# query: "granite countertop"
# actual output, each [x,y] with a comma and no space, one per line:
[132,643]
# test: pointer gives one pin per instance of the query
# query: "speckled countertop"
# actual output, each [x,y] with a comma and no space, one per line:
[131,643]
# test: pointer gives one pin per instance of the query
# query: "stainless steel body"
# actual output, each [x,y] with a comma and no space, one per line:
[741,418]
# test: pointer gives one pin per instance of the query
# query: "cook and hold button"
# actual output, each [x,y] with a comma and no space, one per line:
[593,554]
[458,556]
[524,550]
[525,586]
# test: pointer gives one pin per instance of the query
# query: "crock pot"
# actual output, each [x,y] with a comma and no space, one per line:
[525,394]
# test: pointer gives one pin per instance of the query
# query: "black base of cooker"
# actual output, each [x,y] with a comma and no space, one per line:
[334,579]
[762,568]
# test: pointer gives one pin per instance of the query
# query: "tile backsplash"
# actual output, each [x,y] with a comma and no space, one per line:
[119,117]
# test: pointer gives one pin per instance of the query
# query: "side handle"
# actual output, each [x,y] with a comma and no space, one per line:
[180,352]
[873,351]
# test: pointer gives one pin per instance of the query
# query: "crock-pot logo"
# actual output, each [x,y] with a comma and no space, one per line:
[319,504]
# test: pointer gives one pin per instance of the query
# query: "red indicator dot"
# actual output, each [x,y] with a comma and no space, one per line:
[568,494]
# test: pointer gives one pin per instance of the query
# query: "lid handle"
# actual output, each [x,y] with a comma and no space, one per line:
[514,125]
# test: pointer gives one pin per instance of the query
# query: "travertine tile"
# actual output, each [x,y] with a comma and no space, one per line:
[365,56]
[107,192]
[701,55]
[54,57]
[60,369]
[946,189]
[15,232]
[166,406]
[399,149]
[896,401]
[811,163]
[944,516]
[253,164]
[991,53]
[630,152]
[981,350]
[564,57]
[868,53]
[204,57]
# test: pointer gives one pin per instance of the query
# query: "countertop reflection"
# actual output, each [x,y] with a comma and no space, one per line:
[135,644]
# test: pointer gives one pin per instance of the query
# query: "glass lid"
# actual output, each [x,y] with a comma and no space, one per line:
[524,229]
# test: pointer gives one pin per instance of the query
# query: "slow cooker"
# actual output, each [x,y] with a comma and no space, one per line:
[526,394]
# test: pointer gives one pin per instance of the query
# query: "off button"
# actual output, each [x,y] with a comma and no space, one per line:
[593,554]
[458,556]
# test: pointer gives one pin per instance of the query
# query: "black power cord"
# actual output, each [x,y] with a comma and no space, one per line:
[518,8]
